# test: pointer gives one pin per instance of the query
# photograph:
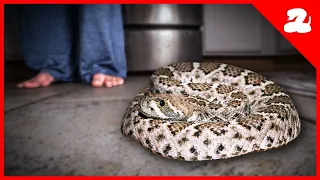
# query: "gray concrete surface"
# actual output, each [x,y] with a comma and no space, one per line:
[73,129]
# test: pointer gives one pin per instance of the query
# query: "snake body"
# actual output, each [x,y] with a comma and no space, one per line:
[204,111]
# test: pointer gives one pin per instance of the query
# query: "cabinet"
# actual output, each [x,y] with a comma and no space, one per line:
[11,34]
[285,48]
[240,30]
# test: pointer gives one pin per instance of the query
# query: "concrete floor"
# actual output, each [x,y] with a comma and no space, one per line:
[73,129]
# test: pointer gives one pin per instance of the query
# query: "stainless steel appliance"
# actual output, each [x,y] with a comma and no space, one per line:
[159,34]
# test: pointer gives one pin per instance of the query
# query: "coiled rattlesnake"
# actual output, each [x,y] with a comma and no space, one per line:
[203,111]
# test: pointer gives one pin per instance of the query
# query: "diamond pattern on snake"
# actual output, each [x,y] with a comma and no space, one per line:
[196,111]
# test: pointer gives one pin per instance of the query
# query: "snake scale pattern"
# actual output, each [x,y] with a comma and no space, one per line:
[196,111]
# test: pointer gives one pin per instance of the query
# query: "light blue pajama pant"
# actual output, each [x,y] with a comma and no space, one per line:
[73,42]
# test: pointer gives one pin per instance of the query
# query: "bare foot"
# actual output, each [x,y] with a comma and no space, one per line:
[41,80]
[100,80]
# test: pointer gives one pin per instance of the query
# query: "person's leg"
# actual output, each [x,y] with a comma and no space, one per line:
[46,38]
[102,58]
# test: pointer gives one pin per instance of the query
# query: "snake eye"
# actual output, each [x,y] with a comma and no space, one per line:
[162,103]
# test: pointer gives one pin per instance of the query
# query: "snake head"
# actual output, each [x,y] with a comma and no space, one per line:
[163,106]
